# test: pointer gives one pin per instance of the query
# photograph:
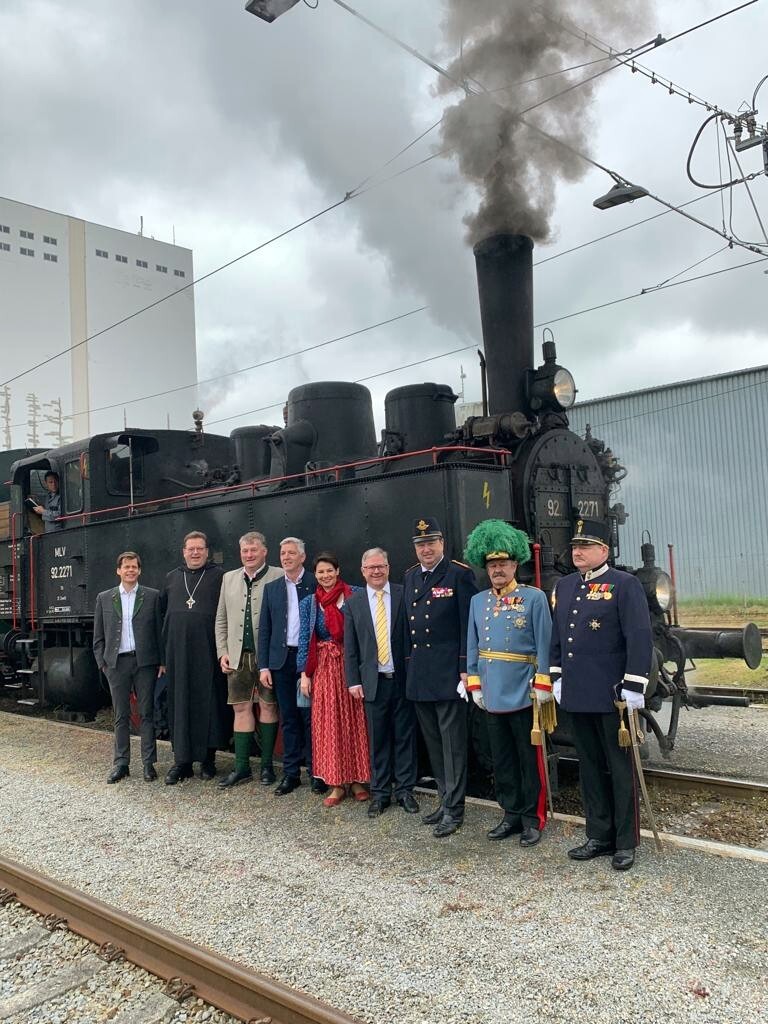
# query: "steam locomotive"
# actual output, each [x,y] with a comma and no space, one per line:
[325,476]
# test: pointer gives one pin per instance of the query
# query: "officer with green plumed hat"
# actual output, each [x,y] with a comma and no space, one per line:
[508,641]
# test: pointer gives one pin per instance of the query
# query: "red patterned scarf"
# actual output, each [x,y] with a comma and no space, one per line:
[334,620]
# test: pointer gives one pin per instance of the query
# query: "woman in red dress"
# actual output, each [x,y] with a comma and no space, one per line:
[339,732]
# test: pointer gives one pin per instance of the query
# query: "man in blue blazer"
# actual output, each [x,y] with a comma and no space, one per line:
[278,643]
[127,645]
[374,660]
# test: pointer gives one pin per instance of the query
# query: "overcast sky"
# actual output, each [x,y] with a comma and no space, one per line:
[208,122]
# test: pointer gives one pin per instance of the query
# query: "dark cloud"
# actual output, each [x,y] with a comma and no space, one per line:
[207,121]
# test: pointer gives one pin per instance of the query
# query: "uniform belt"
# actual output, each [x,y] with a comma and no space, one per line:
[528,659]
[127,654]
[290,648]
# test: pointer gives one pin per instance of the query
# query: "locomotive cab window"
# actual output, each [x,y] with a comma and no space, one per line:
[73,487]
[122,463]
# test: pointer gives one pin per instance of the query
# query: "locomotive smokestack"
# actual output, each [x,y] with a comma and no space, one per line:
[505,285]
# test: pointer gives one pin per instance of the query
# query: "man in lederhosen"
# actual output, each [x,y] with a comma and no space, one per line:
[601,651]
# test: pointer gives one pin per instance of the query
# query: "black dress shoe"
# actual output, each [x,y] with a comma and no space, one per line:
[287,785]
[235,778]
[317,786]
[377,807]
[530,837]
[267,776]
[434,818]
[447,827]
[623,860]
[208,770]
[177,773]
[506,827]
[120,771]
[592,848]
[409,803]
[149,773]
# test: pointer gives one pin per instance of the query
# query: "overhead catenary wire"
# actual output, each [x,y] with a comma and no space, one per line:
[544,323]
[654,77]
[178,291]
[299,352]
[358,191]
[254,366]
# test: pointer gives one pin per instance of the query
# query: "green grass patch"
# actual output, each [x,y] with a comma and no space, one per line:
[723,610]
[728,672]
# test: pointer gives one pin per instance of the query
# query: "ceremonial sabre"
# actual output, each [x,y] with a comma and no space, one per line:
[634,730]
[539,739]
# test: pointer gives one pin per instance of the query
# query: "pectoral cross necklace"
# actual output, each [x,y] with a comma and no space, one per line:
[191,597]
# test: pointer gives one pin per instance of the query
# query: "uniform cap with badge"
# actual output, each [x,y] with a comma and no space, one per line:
[591,531]
[426,528]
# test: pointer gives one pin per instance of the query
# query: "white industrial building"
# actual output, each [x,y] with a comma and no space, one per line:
[62,281]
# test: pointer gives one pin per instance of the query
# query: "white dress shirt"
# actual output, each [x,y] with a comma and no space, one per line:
[373,602]
[293,611]
[127,600]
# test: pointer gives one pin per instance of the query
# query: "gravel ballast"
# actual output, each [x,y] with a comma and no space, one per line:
[379,918]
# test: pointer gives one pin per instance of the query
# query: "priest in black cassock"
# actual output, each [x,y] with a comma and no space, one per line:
[198,717]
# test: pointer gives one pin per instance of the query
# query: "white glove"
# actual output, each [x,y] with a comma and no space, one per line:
[635,701]
[543,696]
[477,697]
[557,689]
[462,690]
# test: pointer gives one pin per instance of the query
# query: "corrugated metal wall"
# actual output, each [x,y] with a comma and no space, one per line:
[697,461]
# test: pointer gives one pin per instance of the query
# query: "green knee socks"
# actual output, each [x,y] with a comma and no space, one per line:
[243,751]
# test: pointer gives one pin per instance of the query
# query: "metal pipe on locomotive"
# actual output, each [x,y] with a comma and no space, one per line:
[324,476]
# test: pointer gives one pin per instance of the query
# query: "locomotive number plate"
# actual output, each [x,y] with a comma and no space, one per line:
[61,572]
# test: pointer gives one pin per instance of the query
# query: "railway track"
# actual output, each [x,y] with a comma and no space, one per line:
[189,970]
[692,782]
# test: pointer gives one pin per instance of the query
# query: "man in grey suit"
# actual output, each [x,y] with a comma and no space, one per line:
[127,645]
[374,660]
[237,644]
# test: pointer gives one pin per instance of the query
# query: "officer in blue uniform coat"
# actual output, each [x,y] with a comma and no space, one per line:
[507,641]
[602,648]
[436,594]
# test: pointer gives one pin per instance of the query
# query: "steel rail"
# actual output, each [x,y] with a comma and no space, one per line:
[211,977]
[687,782]
[754,694]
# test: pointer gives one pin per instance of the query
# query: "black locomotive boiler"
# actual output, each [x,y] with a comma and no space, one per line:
[325,476]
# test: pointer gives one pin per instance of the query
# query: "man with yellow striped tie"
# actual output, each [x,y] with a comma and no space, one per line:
[374,655]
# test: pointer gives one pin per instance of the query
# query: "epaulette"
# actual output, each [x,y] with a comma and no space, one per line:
[412,566]
[462,564]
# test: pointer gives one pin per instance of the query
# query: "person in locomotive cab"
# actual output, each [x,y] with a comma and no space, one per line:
[278,647]
[198,717]
[237,634]
[128,646]
[436,594]
[51,511]
[601,651]
[508,639]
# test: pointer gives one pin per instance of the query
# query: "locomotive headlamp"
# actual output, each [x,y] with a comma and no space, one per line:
[657,584]
[564,388]
[663,589]
[550,386]
[268,10]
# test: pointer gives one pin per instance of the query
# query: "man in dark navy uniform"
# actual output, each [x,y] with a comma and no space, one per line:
[601,651]
[437,593]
